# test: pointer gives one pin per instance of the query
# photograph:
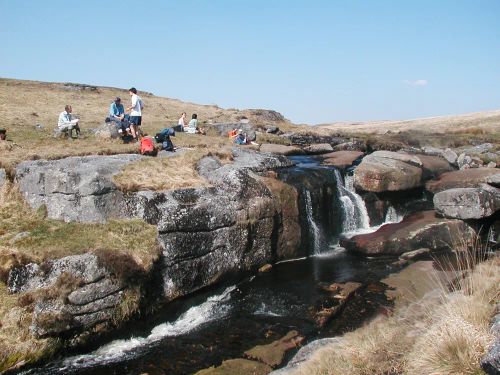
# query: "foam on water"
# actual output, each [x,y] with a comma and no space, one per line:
[213,308]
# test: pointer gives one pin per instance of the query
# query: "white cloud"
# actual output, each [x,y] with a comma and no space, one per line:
[418,82]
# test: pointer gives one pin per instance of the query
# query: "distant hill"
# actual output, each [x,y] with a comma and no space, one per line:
[488,122]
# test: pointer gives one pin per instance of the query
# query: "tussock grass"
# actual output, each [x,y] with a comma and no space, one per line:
[178,171]
[444,332]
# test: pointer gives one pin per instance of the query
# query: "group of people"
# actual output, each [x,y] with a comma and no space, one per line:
[191,127]
[128,124]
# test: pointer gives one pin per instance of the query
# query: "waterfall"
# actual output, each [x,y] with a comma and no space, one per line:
[315,233]
[392,216]
[355,215]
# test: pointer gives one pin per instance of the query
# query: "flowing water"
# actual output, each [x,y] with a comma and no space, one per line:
[222,322]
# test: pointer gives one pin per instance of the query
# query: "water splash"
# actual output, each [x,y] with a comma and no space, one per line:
[392,216]
[212,309]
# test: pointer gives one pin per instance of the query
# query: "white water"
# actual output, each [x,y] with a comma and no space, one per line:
[355,216]
[212,309]
[312,224]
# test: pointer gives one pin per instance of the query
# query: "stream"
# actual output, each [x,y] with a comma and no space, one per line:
[221,322]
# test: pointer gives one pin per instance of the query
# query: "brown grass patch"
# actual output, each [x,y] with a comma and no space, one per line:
[178,171]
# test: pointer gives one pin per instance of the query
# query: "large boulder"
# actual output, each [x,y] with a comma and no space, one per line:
[419,230]
[321,148]
[433,166]
[342,159]
[280,149]
[388,171]
[75,188]
[469,178]
[468,203]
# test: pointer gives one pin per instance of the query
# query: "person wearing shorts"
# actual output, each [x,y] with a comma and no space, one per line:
[135,112]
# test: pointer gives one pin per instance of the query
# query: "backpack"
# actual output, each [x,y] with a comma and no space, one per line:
[164,134]
[148,147]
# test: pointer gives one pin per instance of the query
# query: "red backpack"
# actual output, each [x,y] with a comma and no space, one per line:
[148,147]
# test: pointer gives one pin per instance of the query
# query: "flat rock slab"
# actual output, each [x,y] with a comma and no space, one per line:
[468,203]
[388,171]
[422,229]
[467,178]
[274,353]
[280,149]
[238,366]
[342,159]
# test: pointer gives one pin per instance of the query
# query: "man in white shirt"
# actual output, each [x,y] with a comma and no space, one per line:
[67,122]
[135,112]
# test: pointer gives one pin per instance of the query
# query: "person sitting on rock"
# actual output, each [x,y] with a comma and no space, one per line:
[67,122]
[118,117]
[193,127]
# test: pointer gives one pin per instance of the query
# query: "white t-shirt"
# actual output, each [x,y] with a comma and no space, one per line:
[136,105]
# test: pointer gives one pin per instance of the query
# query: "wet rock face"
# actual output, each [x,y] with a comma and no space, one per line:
[419,230]
[71,294]
[468,203]
[75,188]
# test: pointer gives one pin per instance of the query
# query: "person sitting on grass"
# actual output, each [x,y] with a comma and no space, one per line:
[193,127]
[181,124]
[67,122]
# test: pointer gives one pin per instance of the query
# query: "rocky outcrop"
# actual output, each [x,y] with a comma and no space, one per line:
[280,149]
[490,363]
[388,171]
[75,188]
[341,159]
[419,230]
[69,295]
[237,224]
[471,178]
[468,203]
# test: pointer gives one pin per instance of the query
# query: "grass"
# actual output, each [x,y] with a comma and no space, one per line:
[444,332]
[178,171]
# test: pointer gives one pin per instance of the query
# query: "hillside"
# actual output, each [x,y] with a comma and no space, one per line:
[29,111]
[488,122]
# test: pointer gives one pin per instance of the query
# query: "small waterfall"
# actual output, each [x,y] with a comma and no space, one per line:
[315,233]
[355,215]
[392,216]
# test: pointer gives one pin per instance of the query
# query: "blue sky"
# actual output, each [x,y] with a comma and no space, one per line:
[314,61]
